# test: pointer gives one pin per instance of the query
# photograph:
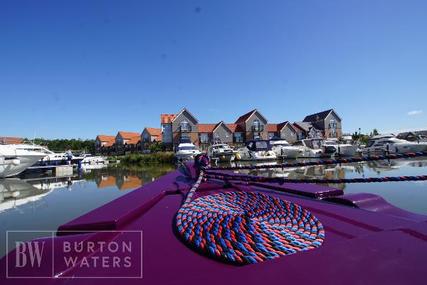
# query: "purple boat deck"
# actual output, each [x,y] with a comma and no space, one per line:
[367,240]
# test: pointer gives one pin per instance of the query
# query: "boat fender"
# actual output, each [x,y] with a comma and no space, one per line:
[16,161]
[238,156]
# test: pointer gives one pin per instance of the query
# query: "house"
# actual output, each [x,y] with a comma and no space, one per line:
[180,127]
[253,125]
[306,130]
[102,142]
[11,140]
[328,122]
[127,141]
[238,133]
[166,128]
[214,133]
[150,135]
[284,130]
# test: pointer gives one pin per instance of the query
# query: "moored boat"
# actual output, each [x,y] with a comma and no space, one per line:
[221,152]
[186,151]
[14,159]
[390,144]
[283,149]
[256,150]
[332,147]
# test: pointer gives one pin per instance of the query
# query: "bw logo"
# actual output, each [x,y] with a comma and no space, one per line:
[29,254]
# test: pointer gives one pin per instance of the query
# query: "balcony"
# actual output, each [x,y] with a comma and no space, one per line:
[257,128]
[185,129]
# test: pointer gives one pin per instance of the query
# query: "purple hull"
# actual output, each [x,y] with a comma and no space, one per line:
[368,241]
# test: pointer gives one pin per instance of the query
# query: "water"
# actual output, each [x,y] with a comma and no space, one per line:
[44,204]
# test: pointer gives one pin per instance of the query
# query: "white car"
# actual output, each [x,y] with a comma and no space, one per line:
[186,151]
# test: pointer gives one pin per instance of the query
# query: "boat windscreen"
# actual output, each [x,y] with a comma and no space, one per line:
[186,148]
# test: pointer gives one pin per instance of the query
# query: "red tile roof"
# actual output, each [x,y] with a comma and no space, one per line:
[131,137]
[244,117]
[128,135]
[106,140]
[235,128]
[154,131]
[272,128]
[206,128]
[11,140]
[166,118]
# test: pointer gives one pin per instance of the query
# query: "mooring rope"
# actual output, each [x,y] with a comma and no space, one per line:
[326,161]
[245,227]
[280,180]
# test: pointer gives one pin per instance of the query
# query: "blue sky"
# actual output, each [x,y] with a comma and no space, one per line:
[79,68]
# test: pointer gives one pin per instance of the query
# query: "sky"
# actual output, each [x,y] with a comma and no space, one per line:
[75,69]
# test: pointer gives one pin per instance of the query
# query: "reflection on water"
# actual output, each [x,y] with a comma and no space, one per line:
[411,196]
[44,203]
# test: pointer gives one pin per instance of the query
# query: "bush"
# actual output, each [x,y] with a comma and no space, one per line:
[136,159]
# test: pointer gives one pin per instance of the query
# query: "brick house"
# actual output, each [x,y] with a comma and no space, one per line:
[305,130]
[127,141]
[328,122]
[150,135]
[104,143]
[180,127]
[284,130]
[253,125]
[214,133]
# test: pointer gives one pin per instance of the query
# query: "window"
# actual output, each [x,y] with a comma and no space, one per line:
[204,138]
[185,126]
[256,126]
[333,128]
[238,137]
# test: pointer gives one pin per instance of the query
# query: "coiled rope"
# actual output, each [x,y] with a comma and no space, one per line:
[326,161]
[246,227]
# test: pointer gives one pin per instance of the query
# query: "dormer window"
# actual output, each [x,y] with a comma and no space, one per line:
[185,126]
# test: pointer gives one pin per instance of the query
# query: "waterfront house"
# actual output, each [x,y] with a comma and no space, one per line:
[150,135]
[11,140]
[166,128]
[328,122]
[180,127]
[284,130]
[306,130]
[238,134]
[253,125]
[214,133]
[127,141]
[103,143]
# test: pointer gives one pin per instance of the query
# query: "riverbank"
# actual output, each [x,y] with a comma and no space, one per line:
[136,160]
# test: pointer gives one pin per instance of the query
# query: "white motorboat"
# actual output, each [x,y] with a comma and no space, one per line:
[186,151]
[333,147]
[391,144]
[221,152]
[91,160]
[285,150]
[14,159]
[311,148]
[256,151]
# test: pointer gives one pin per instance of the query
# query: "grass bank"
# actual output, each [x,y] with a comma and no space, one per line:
[140,160]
